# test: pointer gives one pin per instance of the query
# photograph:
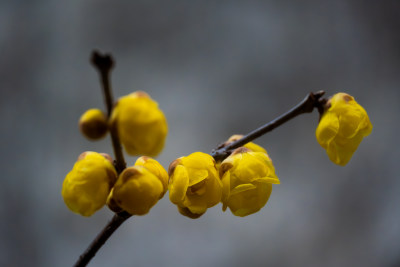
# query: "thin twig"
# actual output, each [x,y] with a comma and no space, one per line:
[310,102]
[104,64]
[101,238]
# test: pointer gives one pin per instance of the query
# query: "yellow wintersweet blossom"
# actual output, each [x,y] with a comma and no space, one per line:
[155,168]
[139,187]
[87,185]
[342,127]
[140,124]
[136,191]
[93,124]
[247,179]
[194,184]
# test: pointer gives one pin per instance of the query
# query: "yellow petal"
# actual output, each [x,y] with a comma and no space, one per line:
[250,201]
[241,188]
[327,129]
[198,160]
[267,180]
[179,182]
[196,175]
[226,184]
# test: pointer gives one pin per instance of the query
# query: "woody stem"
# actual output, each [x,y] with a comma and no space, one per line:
[311,101]
[104,64]
[101,238]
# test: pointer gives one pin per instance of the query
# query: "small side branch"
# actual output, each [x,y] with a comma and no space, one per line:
[313,100]
[104,64]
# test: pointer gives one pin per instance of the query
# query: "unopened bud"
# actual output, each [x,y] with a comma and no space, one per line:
[93,124]
[136,191]
[140,124]
[155,168]
[342,127]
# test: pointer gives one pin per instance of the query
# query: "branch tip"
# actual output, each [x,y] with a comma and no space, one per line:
[103,62]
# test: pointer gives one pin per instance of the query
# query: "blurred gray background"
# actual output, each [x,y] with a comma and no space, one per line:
[216,68]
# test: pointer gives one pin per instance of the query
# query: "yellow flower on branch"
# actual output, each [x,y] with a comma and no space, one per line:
[155,168]
[136,191]
[139,187]
[87,185]
[140,124]
[194,184]
[342,127]
[247,179]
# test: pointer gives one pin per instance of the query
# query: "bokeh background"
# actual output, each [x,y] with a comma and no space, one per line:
[216,68]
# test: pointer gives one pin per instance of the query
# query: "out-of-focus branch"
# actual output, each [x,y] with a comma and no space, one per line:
[311,101]
[101,238]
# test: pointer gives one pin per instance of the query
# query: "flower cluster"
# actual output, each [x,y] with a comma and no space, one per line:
[243,181]
[93,181]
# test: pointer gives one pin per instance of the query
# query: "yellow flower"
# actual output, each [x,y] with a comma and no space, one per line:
[155,168]
[93,124]
[342,127]
[136,191]
[140,124]
[247,179]
[87,185]
[194,184]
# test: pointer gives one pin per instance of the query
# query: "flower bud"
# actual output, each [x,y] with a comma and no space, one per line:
[247,179]
[93,124]
[136,191]
[155,168]
[140,124]
[87,185]
[342,127]
[194,184]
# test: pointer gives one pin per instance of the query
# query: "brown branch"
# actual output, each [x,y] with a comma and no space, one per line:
[104,64]
[101,238]
[311,101]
